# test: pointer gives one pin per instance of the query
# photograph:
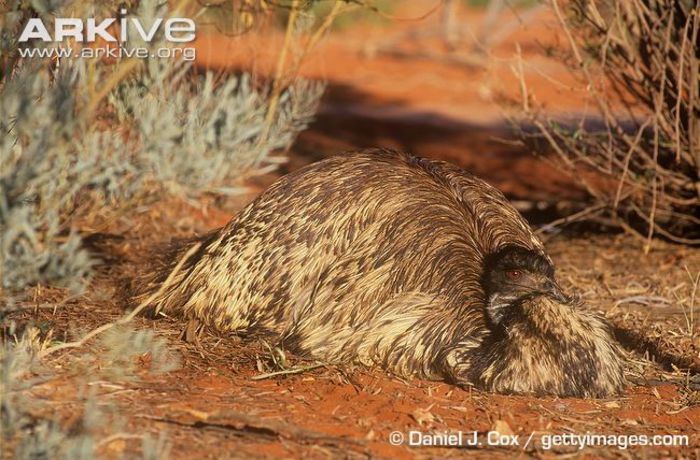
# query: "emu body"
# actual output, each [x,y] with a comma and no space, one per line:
[379,258]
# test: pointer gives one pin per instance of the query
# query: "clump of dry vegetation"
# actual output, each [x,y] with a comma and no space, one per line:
[86,142]
[639,156]
[83,138]
[29,431]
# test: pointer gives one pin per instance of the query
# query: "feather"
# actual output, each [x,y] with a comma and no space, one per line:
[375,257]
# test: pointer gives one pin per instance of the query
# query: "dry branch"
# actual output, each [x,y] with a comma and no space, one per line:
[257,426]
[640,62]
[129,316]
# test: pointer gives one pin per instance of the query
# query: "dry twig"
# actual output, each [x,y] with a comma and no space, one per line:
[129,316]
[642,168]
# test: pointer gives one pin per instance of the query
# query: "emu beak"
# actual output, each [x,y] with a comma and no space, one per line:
[553,289]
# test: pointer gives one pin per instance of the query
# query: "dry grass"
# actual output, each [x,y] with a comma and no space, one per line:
[638,61]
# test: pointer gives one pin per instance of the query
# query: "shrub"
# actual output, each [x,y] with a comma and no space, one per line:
[25,429]
[641,164]
[47,161]
[161,130]
[199,136]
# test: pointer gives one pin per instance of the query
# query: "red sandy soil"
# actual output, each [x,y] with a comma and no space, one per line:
[431,107]
[214,411]
[397,82]
[210,407]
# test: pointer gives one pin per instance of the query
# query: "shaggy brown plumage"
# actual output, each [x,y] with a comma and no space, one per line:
[382,258]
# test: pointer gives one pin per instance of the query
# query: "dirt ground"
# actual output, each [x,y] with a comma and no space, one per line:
[212,406]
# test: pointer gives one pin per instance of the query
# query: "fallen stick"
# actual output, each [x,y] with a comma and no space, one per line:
[251,424]
[129,316]
[295,370]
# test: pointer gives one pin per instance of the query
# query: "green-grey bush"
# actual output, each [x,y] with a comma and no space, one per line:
[175,133]
[27,434]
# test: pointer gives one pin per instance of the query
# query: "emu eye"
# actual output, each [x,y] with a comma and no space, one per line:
[514,274]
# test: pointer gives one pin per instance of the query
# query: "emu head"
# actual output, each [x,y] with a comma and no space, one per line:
[512,275]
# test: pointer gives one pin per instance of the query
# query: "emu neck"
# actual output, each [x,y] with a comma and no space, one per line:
[547,317]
